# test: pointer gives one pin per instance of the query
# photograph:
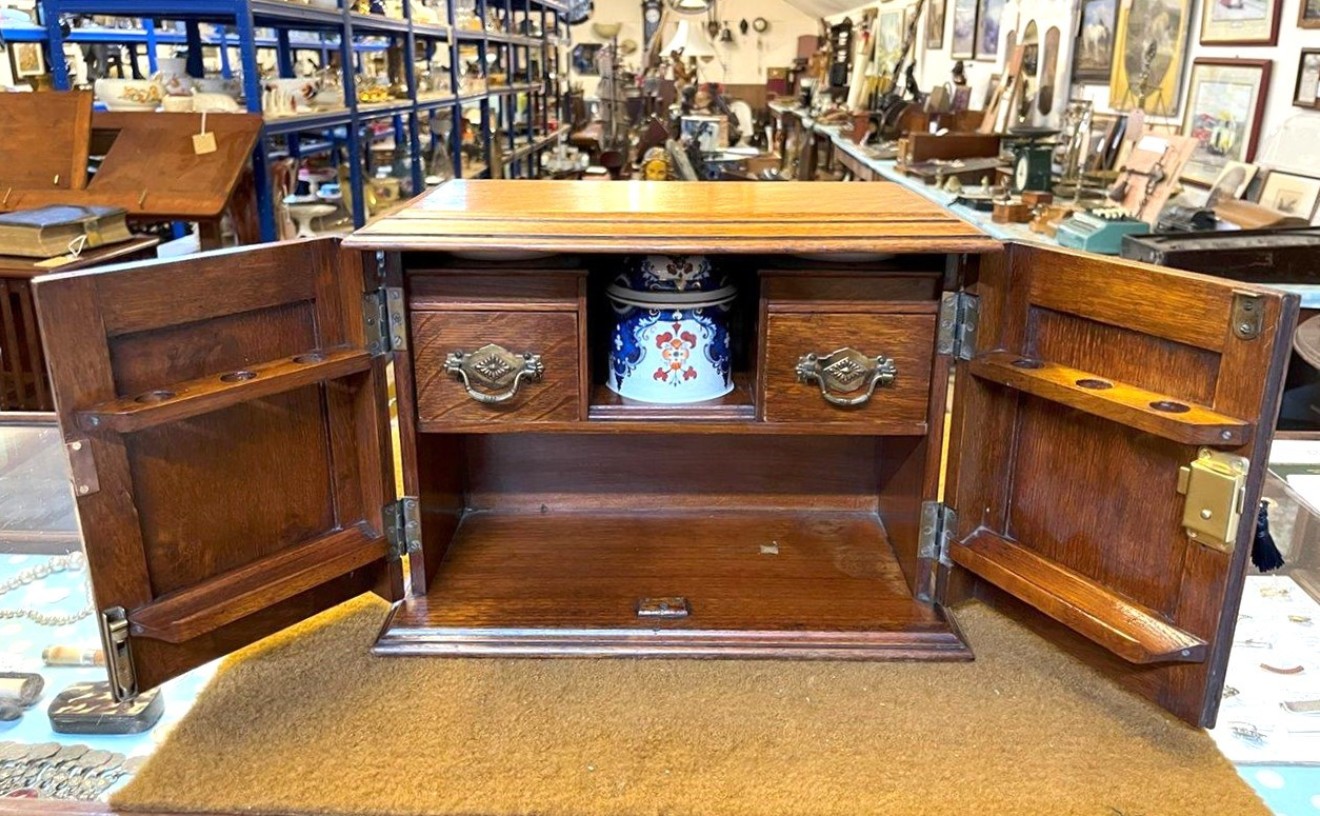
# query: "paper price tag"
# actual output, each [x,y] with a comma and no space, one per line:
[204,143]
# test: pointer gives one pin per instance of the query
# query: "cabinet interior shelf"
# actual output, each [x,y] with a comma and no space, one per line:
[1129,630]
[1159,414]
[757,584]
[178,401]
[737,406]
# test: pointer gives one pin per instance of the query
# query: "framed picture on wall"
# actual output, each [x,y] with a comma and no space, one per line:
[583,58]
[935,23]
[1225,102]
[26,60]
[1240,22]
[1148,55]
[964,29]
[1306,92]
[1290,194]
[1093,53]
[988,19]
[1232,182]
[1308,16]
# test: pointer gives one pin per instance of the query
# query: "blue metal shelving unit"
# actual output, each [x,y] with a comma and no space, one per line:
[347,34]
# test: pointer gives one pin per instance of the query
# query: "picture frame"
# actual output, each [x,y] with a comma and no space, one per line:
[26,59]
[989,17]
[1308,14]
[1232,182]
[962,43]
[1306,90]
[583,58]
[1225,104]
[1290,194]
[1149,52]
[1250,22]
[1093,49]
[935,13]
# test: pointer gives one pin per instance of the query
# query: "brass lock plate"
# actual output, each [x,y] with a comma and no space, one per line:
[671,607]
[1215,486]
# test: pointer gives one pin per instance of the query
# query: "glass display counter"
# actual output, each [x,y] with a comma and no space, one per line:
[47,631]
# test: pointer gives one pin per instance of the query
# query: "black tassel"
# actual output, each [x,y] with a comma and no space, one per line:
[1264,554]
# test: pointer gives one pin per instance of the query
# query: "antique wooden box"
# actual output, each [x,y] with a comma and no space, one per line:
[1260,256]
[226,418]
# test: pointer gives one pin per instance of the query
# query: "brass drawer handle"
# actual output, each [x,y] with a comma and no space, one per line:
[846,371]
[493,367]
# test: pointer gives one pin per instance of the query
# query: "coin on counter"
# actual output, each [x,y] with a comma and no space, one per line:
[95,759]
[10,711]
[42,750]
[69,753]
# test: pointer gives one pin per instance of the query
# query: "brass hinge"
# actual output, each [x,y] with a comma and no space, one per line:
[1248,315]
[82,467]
[385,320]
[960,313]
[938,521]
[118,654]
[1216,488]
[403,527]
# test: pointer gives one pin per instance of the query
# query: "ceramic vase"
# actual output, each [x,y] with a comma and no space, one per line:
[670,342]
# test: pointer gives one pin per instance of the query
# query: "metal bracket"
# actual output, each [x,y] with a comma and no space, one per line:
[118,654]
[1216,487]
[403,527]
[938,521]
[673,607]
[1248,315]
[960,314]
[82,467]
[385,320]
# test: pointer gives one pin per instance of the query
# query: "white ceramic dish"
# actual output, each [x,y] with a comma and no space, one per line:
[129,94]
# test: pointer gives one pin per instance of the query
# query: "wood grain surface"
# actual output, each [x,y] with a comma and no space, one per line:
[909,340]
[1081,488]
[217,526]
[47,137]
[758,585]
[639,216]
[442,399]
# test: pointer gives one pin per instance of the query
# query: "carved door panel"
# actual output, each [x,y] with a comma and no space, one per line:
[1108,449]
[226,424]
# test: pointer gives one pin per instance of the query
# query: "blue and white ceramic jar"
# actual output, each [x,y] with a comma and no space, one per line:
[671,333]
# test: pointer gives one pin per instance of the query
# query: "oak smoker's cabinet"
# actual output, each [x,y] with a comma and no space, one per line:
[227,421]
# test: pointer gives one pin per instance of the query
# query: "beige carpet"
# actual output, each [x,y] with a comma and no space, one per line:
[309,721]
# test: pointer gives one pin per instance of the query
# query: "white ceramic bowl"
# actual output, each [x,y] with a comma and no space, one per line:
[215,103]
[129,94]
[218,85]
[177,104]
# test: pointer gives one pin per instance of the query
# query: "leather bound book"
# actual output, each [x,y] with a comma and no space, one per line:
[55,230]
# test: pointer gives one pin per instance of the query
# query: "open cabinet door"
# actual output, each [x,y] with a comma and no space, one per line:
[1109,444]
[227,430]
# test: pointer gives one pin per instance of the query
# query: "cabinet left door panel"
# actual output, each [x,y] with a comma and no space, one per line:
[226,425]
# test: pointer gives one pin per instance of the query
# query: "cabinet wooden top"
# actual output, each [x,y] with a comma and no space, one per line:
[642,216]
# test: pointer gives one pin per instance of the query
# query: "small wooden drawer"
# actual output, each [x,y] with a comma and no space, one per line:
[906,341]
[442,396]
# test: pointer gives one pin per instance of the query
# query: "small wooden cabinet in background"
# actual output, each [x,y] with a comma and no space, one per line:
[226,419]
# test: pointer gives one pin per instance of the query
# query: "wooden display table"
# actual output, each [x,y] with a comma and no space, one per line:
[23,383]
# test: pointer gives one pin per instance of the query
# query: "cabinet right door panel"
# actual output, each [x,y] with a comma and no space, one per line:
[1108,449]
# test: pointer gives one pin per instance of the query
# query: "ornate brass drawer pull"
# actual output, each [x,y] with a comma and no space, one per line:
[846,371]
[493,367]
